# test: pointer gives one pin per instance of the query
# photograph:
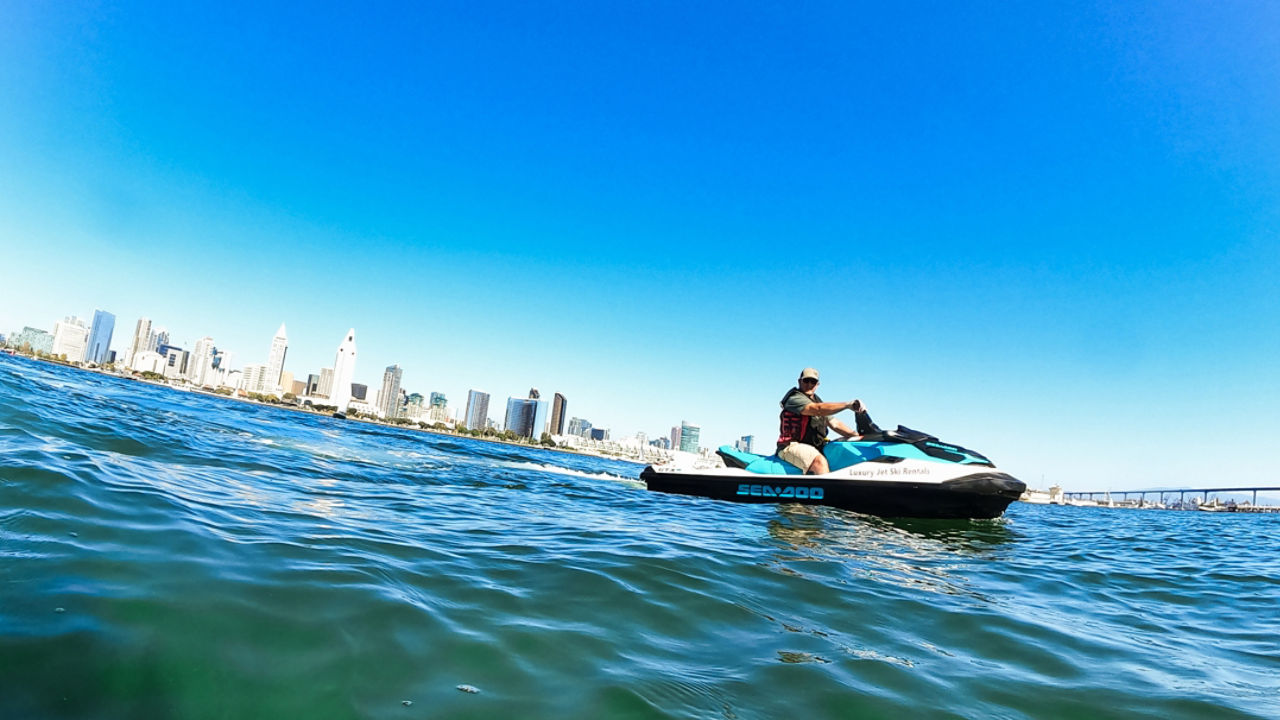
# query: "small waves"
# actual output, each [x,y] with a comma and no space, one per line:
[169,554]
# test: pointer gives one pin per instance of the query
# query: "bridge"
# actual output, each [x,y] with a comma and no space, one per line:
[1182,493]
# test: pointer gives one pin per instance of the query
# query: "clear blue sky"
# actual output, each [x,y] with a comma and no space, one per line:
[1011,225]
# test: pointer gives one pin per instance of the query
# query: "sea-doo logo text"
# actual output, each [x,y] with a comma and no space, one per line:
[781,491]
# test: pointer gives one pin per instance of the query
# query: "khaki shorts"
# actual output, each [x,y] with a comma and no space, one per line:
[800,454]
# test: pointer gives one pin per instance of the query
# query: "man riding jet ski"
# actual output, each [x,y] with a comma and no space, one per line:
[900,473]
[804,420]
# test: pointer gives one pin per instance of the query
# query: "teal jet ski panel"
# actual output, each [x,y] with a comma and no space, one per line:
[847,453]
[761,464]
[904,444]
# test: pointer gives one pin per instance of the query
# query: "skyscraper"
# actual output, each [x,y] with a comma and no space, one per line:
[141,335]
[477,410]
[200,364]
[389,397]
[527,417]
[275,362]
[520,416]
[540,408]
[313,384]
[689,437]
[344,371]
[104,323]
[558,407]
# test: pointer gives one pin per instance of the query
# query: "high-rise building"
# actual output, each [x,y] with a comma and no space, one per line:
[675,437]
[558,407]
[531,418]
[540,410]
[359,392]
[70,338]
[275,362]
[601,434]
[438,400]
[141,336]
[520,415]
[104,323]
[200,364]
[312,386]
[689,437]
[746,443]
[477,410]
[389,396]
[325,388]
[344,371]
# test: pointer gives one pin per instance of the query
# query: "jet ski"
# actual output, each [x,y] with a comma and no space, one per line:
[898,473]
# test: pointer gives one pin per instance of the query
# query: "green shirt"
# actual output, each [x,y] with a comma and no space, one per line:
[796,403]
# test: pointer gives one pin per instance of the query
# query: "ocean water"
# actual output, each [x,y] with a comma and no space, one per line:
[172,555]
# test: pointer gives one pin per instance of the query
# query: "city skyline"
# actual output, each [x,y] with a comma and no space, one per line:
[199,361]
[1014,227]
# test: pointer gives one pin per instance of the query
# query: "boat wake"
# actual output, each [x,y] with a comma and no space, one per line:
[539,467]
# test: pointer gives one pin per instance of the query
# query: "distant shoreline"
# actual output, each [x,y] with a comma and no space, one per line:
[313,413]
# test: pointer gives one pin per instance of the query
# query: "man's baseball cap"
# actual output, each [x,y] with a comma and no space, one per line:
[808,373]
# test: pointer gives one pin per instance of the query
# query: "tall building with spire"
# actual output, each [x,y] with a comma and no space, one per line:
[344,371]
[104,324]
[275,362]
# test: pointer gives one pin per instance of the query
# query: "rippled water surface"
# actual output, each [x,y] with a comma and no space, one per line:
[172,555]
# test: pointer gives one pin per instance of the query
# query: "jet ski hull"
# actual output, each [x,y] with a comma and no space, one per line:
[979,493]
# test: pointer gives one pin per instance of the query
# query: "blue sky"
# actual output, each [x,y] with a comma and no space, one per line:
[1011,225]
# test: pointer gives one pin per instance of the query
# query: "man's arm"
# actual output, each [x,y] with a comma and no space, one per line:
[830,408]
[844,430]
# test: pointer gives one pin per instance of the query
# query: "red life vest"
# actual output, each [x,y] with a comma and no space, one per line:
[794,427]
